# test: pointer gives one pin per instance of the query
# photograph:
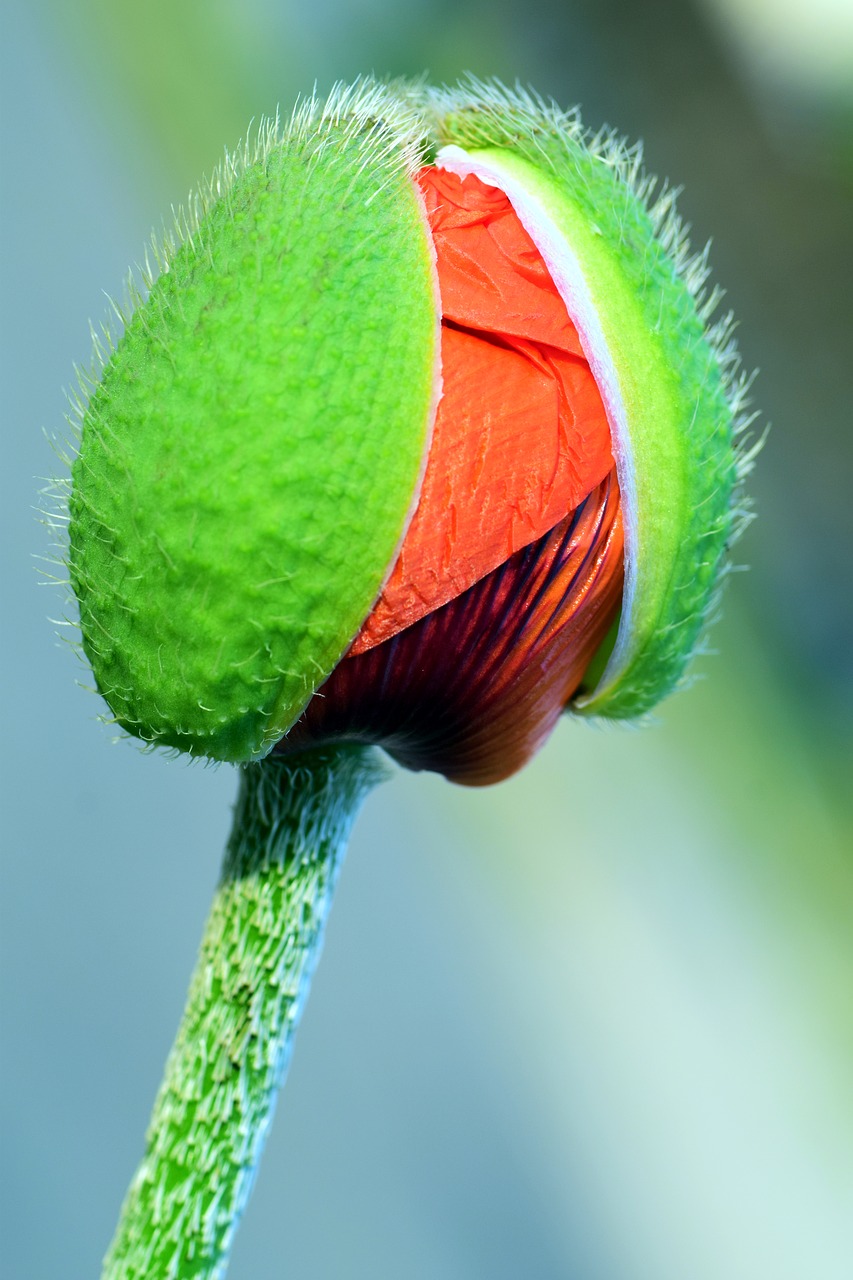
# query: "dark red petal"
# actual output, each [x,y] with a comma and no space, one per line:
[473,689]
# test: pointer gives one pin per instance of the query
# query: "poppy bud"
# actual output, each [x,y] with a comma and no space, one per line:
[420,425]
[419,437]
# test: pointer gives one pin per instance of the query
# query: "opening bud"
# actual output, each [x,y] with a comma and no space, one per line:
[422,434]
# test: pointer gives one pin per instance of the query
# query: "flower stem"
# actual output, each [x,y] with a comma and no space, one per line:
[260,945]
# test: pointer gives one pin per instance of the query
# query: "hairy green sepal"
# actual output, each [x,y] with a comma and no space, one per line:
[668,405]
[253,449]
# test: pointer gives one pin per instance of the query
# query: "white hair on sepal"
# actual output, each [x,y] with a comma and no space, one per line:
[398,140]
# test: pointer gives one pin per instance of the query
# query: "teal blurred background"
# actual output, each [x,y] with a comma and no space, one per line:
[596,1022]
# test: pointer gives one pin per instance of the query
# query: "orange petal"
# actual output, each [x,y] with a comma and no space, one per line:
[521,436]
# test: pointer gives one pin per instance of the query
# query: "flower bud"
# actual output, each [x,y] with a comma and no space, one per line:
[420,436]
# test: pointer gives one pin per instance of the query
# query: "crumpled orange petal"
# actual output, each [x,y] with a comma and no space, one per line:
[521,436]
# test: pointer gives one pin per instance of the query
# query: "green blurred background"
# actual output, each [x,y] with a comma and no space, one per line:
[596,1022]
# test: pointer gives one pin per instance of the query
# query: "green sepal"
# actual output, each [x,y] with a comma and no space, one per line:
[252,452]
[673,397]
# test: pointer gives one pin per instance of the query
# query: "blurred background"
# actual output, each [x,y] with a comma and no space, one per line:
[596,1022]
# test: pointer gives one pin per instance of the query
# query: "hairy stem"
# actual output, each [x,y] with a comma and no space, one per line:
[260,945]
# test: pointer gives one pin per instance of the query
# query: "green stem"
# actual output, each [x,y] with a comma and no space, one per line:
[259,948]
